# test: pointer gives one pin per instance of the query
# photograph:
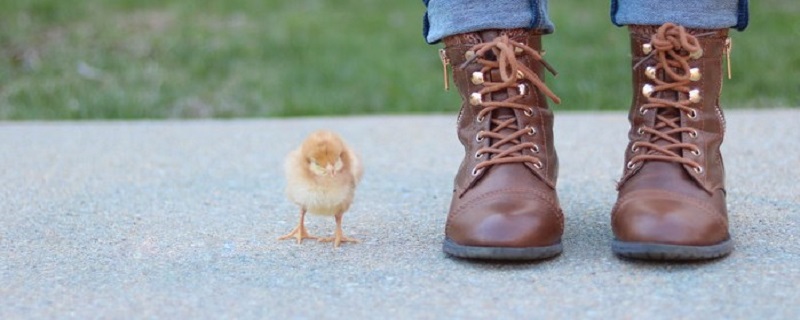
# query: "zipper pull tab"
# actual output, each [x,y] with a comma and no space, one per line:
[728,46]
[445,63]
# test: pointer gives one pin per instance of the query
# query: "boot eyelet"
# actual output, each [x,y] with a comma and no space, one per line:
[475,98]
[640,131]
[693,114]
[693,134]
[643,111]
[479,136]
[647,48]
[647,90]
[478,154]
[528,112]
[535,148]
[522,89]
[694,74]
[634,148]
[477,77]
[469,55]
[696,54]
[696,152]
[480,118]
[531,131]
[694,95]
[698,170]
[538,165]
[630,165]
[650,72]
[476,171]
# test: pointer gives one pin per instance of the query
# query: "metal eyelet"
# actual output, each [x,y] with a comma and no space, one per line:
[647,90]
[475,98]
[528,112]
[694,95]
[640,131]
[647,48]
[698,170]
[630,165]
[531,131]
[477,77]
[693,114]
[696,152]
[522,89]
[650,72]
[538,165]
[476,171]
[469,54]
[480,118]
[694,74]
[479,136]
[697,54]
[642,111]
[693,134]
[478,154]
[535,148]
[634,148]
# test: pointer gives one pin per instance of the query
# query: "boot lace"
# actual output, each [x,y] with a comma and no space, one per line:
[507,145]
[672,47]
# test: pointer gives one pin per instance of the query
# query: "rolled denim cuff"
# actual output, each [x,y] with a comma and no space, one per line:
[702,14]
[450,17]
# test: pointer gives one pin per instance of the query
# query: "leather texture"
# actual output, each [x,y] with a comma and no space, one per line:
[510,204]
[680,199]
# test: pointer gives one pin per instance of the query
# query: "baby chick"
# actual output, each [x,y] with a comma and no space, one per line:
[321,178]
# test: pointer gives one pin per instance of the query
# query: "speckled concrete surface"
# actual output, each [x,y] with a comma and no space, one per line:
[179,220]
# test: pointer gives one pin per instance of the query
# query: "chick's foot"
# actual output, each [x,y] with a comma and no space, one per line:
[338,238]
[298,233]
[338,235]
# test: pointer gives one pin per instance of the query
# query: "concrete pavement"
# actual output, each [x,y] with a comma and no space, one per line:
[179,220]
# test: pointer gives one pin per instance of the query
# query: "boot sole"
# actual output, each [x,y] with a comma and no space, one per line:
[666,252]
[500,253]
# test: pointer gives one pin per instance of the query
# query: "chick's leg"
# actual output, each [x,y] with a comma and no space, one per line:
[299,232]
[338,235]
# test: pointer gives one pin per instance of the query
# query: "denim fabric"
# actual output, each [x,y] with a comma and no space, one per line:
[704,14]
[448,17]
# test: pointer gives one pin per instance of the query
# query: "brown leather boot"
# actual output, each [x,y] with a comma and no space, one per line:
[671,203]
[504,202]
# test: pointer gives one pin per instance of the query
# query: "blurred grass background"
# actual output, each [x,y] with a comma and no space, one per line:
[134,59]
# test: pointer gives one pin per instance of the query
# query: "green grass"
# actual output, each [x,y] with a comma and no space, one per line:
[126,59]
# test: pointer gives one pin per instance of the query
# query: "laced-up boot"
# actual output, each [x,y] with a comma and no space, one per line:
[671,202]
[504,203]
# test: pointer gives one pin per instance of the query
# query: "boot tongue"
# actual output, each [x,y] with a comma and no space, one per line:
[668,113]
[667,167]
[502,115]
[489,35]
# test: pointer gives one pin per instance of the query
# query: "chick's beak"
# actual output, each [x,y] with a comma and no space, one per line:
[329,169]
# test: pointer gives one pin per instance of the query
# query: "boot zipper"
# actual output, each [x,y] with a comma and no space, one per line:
[445,63]
[727,50]
[728,46]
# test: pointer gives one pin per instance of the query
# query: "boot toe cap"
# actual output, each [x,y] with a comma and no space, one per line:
[649,216]
[507,219]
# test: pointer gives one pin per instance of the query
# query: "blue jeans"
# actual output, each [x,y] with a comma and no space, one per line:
[449,17]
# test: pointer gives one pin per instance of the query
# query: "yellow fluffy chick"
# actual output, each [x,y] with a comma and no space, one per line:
[321,178]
